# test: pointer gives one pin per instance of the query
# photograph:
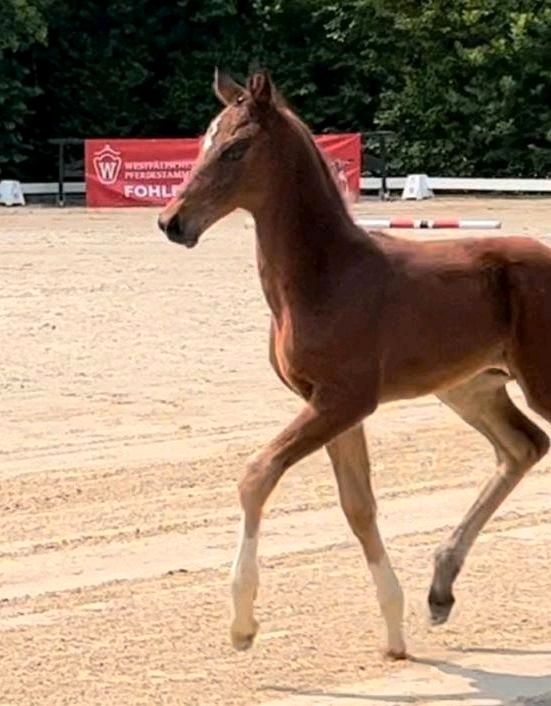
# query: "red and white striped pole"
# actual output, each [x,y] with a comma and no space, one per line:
[427,223]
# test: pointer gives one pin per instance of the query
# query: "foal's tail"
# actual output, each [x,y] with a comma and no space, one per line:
[528,264]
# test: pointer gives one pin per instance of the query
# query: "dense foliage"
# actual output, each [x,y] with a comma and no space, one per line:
[465,84]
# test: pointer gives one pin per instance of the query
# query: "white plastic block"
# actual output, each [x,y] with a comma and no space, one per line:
[11,193]
[417,187]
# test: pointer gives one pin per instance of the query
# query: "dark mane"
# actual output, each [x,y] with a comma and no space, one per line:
[318,157]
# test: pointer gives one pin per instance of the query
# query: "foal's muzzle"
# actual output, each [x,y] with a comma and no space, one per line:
[178,231]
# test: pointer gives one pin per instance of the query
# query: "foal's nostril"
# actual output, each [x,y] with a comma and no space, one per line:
[172,229]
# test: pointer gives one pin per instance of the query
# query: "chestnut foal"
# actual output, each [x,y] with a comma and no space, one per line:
[363,318]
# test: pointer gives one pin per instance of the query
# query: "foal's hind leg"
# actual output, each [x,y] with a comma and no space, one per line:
[348,453]
[483,402]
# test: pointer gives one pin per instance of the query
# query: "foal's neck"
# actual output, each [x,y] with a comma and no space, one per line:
[305,235]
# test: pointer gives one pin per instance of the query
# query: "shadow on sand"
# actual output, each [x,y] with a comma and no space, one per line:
[484,686]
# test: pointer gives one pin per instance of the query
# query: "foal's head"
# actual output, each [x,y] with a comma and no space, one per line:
[234,161]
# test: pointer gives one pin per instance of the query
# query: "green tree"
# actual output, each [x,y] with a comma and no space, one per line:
[473,89]
[22,24]
[466,85]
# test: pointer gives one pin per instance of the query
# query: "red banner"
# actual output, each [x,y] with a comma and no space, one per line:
[136,172]
[150,172]
[344,155]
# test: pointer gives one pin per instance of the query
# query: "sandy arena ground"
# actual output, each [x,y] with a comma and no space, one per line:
[134,382]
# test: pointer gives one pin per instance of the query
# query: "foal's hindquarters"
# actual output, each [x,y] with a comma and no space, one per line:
[518,323]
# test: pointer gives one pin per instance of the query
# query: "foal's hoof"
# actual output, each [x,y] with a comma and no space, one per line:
[440,607]
[243,640]
[396,655]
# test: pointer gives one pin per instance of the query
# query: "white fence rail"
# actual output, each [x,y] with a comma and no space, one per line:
[69,187]
[464,184]
[366,184]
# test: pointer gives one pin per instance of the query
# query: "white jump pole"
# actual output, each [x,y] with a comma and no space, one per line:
[427,223]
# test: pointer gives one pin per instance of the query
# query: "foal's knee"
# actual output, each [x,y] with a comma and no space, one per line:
[361,517]
[247,486]
[258,481]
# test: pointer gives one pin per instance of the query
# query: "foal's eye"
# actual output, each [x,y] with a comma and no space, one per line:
[235,152]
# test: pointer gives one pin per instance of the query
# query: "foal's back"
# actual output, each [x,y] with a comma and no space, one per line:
[454,307]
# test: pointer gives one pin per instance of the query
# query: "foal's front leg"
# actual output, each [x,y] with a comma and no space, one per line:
[350,459]
[315,426]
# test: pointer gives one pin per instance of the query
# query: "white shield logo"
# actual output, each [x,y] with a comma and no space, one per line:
[107,164]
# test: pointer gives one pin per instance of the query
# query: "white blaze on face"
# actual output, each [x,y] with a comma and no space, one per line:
[211,134]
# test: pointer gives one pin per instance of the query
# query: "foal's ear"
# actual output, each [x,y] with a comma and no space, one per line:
[225,88]
[261,88]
